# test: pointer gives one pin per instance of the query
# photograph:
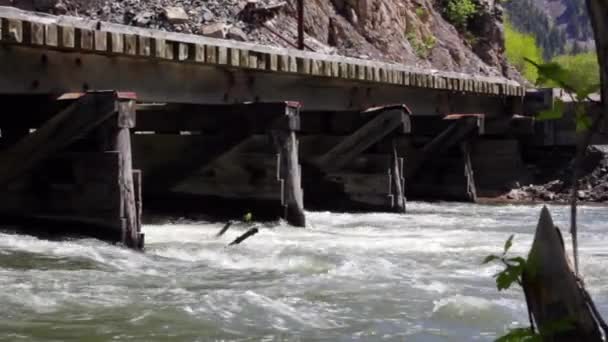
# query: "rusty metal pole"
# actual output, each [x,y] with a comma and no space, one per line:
[300,24]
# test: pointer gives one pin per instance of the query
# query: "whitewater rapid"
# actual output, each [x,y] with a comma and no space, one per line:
[368,277]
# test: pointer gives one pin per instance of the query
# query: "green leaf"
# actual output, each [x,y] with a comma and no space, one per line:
[520,335]
[248,217]
[583,91]
[552,114]
[552,71]
[508,244]
[490,258]
[519,261]
[511,274]
[583,121]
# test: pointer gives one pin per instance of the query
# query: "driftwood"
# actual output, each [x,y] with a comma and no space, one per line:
[224,229]
[559,304]
[249,233]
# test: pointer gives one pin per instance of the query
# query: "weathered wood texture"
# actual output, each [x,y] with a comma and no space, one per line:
[381,124]
[469,174]
[397,180]
[554,295]
[59,132]
[236,153]
[129,212]
[290,172]
[75,171]
[453,134]
[171,159]
[88,36]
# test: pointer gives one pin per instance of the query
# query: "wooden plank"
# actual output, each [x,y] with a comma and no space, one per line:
[145,48]
[36,33]
[244,57]
[64,128]
[234,59]
[130,44]
[373,131]
[85,39]
[101,41]
[199,53]
[222,55]
[12,30]
[116,43]
[67,36]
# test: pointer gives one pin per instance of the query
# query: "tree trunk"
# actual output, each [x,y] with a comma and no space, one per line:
[598,13]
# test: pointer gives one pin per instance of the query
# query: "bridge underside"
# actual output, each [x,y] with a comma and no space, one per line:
[197,127]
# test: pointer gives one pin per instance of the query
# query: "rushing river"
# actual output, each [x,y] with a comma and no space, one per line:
[414,277]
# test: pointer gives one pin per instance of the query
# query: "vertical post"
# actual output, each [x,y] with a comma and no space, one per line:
[290,172]
[397,180]
[122,143]
[471,190]
[300,10]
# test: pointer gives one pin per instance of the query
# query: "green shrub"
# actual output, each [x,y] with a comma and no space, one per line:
[423,47]
[458,12]
[422,13]
[520,46]
[582,68]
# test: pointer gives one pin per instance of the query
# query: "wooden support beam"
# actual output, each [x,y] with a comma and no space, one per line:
[471,189]
[121,142]
[383,122]
[59,132]
[75,170]
[293,197]
[397,181]
[235,123]
[452,135]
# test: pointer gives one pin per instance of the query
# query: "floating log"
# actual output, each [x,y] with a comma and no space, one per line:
[251,232]
[555,297]
[224,229]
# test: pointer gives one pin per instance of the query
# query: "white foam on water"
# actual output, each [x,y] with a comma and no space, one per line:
[346,276]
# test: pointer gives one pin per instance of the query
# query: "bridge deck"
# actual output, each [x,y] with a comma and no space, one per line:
[243,71]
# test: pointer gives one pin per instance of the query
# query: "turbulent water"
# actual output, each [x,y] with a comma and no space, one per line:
[414,277]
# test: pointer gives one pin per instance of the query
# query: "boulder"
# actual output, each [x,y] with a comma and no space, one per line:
[143,19]
[217,30]
[176,15]
[236,33]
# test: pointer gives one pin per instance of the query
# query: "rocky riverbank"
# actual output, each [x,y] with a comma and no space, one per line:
[556,185]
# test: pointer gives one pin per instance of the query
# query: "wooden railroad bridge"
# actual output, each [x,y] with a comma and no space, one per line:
[99,118]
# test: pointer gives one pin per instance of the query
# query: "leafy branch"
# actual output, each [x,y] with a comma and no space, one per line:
[579,90]
[514,267]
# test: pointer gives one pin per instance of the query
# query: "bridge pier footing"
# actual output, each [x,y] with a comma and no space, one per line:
[72,175]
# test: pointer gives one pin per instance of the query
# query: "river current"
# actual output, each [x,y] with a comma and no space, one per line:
[366,277]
